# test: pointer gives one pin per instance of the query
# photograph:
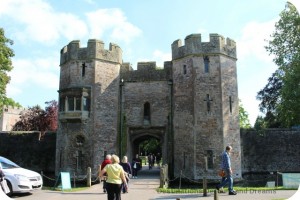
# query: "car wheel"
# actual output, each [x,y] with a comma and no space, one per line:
[10,188]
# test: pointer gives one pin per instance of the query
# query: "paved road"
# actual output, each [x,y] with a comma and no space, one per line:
[143,188]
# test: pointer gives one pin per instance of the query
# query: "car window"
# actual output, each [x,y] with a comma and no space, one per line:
[7,164]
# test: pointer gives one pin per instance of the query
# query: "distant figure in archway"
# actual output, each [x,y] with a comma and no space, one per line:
[136,165]
[150,160]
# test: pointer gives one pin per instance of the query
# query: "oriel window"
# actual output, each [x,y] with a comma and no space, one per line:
[71,104]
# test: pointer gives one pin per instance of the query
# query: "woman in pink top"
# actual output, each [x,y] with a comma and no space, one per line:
[115,178]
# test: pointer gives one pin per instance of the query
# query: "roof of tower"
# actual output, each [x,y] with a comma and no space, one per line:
[94,50]
[193,45]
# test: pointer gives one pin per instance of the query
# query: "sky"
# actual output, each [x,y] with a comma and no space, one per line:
[144,30]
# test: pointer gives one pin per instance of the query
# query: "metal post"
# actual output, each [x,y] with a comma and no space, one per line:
[277,178]
[162,177]
[89,177]
[42,175]
[204,187]
[74,178]
[216,195]
[180,179]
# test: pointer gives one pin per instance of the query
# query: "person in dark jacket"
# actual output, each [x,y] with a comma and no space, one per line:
[136,165]
[127,169]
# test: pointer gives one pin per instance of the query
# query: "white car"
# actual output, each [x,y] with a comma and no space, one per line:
[20,180]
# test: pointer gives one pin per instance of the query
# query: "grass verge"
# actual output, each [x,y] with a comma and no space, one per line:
[238,189]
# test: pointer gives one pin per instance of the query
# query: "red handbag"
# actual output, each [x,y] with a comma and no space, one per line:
[222,173]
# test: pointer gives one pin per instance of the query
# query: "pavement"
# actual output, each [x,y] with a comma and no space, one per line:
[144,188]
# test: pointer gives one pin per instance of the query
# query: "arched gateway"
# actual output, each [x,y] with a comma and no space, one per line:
[190,107]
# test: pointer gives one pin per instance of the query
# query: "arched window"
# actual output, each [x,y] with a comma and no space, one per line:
[147,112]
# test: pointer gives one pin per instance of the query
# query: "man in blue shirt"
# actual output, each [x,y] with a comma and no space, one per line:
[226,166]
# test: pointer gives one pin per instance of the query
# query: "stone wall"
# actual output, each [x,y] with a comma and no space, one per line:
[270,151]
[29,150]
[275,149]
[9,116]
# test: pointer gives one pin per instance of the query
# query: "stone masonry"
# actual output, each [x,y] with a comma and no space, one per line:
[190,106]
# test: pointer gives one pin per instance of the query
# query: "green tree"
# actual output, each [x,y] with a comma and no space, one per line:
[150,146]
[244,117]
[281,96]
[260,123]
[6,54]
[270,94]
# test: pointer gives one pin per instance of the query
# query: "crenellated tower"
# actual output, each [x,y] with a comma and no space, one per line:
[205,105]
[88,92]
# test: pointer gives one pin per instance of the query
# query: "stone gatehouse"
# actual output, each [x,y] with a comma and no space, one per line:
[190,106]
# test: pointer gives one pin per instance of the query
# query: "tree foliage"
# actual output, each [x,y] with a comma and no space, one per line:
[270,94]
[37,119]
[244,117]
[151,145]
[280,98]
[6,53]
[51,115]
[260,123]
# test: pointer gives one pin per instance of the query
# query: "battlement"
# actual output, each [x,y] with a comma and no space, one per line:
[146,71]
[94,50]
[194,45]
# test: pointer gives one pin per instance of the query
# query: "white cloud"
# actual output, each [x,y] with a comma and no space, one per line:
[90,1]
[103,20]
[157,56]
[204,34]
[41,22]
[250,104]
[254,63]
[38,72]
[160,57]
[252,41]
